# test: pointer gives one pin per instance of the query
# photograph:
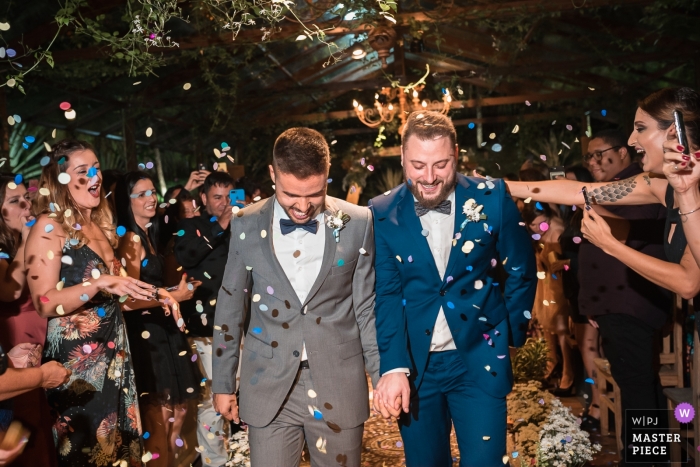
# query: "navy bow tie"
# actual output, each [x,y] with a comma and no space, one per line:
[444,207]
[288,225]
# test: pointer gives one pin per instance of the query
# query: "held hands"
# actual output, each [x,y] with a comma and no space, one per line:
[227,406]
[183,292]
[392,395]
[54,374]
[171,306]
[597,231]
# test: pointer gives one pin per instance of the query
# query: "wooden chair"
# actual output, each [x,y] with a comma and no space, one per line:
[690,395]
[671,356]
[609,400]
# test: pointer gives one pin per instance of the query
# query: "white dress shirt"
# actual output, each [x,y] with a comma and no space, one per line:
[300,253]
[440,228]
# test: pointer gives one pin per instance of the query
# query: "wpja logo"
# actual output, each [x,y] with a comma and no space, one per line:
[649,437]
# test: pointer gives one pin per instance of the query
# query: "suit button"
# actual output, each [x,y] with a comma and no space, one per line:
[303,311]
[295,353]
[427,332]
[442,293]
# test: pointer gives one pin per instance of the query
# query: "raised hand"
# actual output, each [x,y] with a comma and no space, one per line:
[184,291]
[171,307]
[196,179]
[682,171]
[227,406]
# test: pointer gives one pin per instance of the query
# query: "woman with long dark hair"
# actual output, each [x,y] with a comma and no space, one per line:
[22,330]
[166,375]
[75,282]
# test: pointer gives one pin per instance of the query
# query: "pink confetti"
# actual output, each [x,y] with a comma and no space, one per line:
[577,240]
[270,290]
[528,103]
[87,349]
[194,358]
[566,267]
[544,226]
[155,455]
[543,157]
[110,345]
[486,336]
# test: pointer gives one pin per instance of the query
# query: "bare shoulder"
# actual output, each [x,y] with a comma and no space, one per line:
[46,228]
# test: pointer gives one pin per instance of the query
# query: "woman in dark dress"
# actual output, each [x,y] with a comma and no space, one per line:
[75,282]
[167,376]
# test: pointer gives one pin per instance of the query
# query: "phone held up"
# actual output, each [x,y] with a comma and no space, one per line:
[237,197]
[680,131]
[586,199]
[557,173]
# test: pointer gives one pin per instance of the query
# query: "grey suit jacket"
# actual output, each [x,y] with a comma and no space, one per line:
[336,322]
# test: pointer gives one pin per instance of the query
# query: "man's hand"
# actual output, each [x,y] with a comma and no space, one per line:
[392,394]
[227,406]
[54,374]
[225,218]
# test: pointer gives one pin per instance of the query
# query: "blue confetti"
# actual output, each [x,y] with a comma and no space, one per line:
[527,314]
[31,223]
[330,180]
[144,263]
[603,112]
[29,139]
[318,415]
[17,118]
[496,147]
[212,219]
[11,52]
[589,381]
[482,318]
[25,145]
[470,268]
[84,297]
[257,330]
[4,255]
[404,302]
[121,230]
[92,172]
[451,305]
[539,206]
[146,435]
[142,166]
[45,161]
[48,228]
[180,233]
[340,262]
[101,313]
[263,307]
[410,182]
[471,126]
[554,276]
[18,179]
[224,145]
[515,454]
[62,161]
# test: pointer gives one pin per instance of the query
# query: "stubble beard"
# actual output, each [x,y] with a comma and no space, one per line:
[448,186]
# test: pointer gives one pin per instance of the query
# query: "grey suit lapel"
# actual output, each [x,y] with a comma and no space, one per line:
[265,223]
[328,252]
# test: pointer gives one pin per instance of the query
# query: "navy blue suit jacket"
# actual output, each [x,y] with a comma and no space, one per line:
[409,292]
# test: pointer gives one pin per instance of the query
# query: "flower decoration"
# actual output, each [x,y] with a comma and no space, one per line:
[337,222]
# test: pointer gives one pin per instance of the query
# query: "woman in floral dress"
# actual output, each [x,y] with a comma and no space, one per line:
[75,282]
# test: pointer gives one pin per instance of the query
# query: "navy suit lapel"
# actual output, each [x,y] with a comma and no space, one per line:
[409,219]
[463,191]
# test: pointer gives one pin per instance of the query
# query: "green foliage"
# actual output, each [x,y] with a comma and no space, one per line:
[22,160]
[530,363]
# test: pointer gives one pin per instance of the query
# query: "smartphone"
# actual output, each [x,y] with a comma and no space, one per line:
[237,197]
[585,198]
[556,173]
[680,130]
[201,167]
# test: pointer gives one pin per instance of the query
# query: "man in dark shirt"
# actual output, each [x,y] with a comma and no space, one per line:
[627,309]
[201,248]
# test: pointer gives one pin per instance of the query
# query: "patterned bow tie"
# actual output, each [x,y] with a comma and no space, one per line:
[444,207]
[288,225]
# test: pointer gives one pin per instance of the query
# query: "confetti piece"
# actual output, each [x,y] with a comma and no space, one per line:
[576,240]
[527,314]
[410,259]
[50,254]
[425,232]
[399,259]
[478,285]
[488,367]
[149,132]
[59,310]
[186,86]
[311,393]
[363,251]
[589,381]
[67,260]
[256,298]
[242,236]
[516,129]
[63,178]
[136,239]
[467,247]
[486,438]
[263,233]
[44,191]
[44,299]
[145,334]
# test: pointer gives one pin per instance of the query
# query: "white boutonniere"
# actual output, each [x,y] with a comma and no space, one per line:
[473,212]
[337,222]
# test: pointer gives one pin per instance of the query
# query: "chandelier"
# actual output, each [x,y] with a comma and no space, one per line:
[386,108]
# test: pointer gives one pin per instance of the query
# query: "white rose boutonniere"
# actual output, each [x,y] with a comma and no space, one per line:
[337,222]
[473,212]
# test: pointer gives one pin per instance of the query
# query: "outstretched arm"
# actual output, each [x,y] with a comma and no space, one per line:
[641,189]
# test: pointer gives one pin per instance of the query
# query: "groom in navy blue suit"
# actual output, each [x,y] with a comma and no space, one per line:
[444,325]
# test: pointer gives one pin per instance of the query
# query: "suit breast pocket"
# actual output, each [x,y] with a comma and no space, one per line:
[257,346]
[345,268]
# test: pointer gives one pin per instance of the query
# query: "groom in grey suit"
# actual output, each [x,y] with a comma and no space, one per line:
[301,265]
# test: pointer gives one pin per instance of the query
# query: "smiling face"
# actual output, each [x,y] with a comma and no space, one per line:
[15,207]
[430,168]
[301,199]
[648,140]
[143,199]
[85,178]
[216,199]
[611,163]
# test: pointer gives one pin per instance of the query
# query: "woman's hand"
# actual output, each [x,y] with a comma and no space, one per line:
[25,355]
[597,231]
[196,179]
[171,307]
[185,290]
[682,171]
[121,286]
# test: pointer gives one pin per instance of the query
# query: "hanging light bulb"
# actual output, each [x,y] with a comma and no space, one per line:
[359,107]
[354,103]
[415,93]
[424,104]
[391,107]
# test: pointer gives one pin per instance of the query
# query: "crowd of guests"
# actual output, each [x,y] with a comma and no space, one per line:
[115,293]
[109,295]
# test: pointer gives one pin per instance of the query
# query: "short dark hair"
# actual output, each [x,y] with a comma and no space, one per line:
[534,209]
[427,125]
[301,152]
[613,138]
[580,172]
[216,179]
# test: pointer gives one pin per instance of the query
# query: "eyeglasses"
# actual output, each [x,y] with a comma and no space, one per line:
[598,155]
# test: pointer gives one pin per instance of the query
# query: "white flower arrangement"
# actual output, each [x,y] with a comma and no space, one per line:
[562,441]
[238,450]
[337,222]
[472,210]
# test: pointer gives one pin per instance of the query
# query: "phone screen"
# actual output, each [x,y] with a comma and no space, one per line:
[237,195]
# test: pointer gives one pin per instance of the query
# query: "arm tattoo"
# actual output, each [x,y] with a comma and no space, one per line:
[646,179]
[614,191]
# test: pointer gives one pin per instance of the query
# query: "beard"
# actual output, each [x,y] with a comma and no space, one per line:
[447,186]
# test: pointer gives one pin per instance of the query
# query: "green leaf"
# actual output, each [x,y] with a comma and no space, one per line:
[384,7]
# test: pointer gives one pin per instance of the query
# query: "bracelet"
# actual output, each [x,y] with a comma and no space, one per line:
[689,212]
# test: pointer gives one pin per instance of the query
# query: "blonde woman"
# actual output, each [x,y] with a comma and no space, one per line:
[75,282]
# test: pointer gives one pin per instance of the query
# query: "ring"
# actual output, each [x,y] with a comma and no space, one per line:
[675,167]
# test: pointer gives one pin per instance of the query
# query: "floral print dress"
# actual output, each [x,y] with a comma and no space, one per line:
[97,415]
